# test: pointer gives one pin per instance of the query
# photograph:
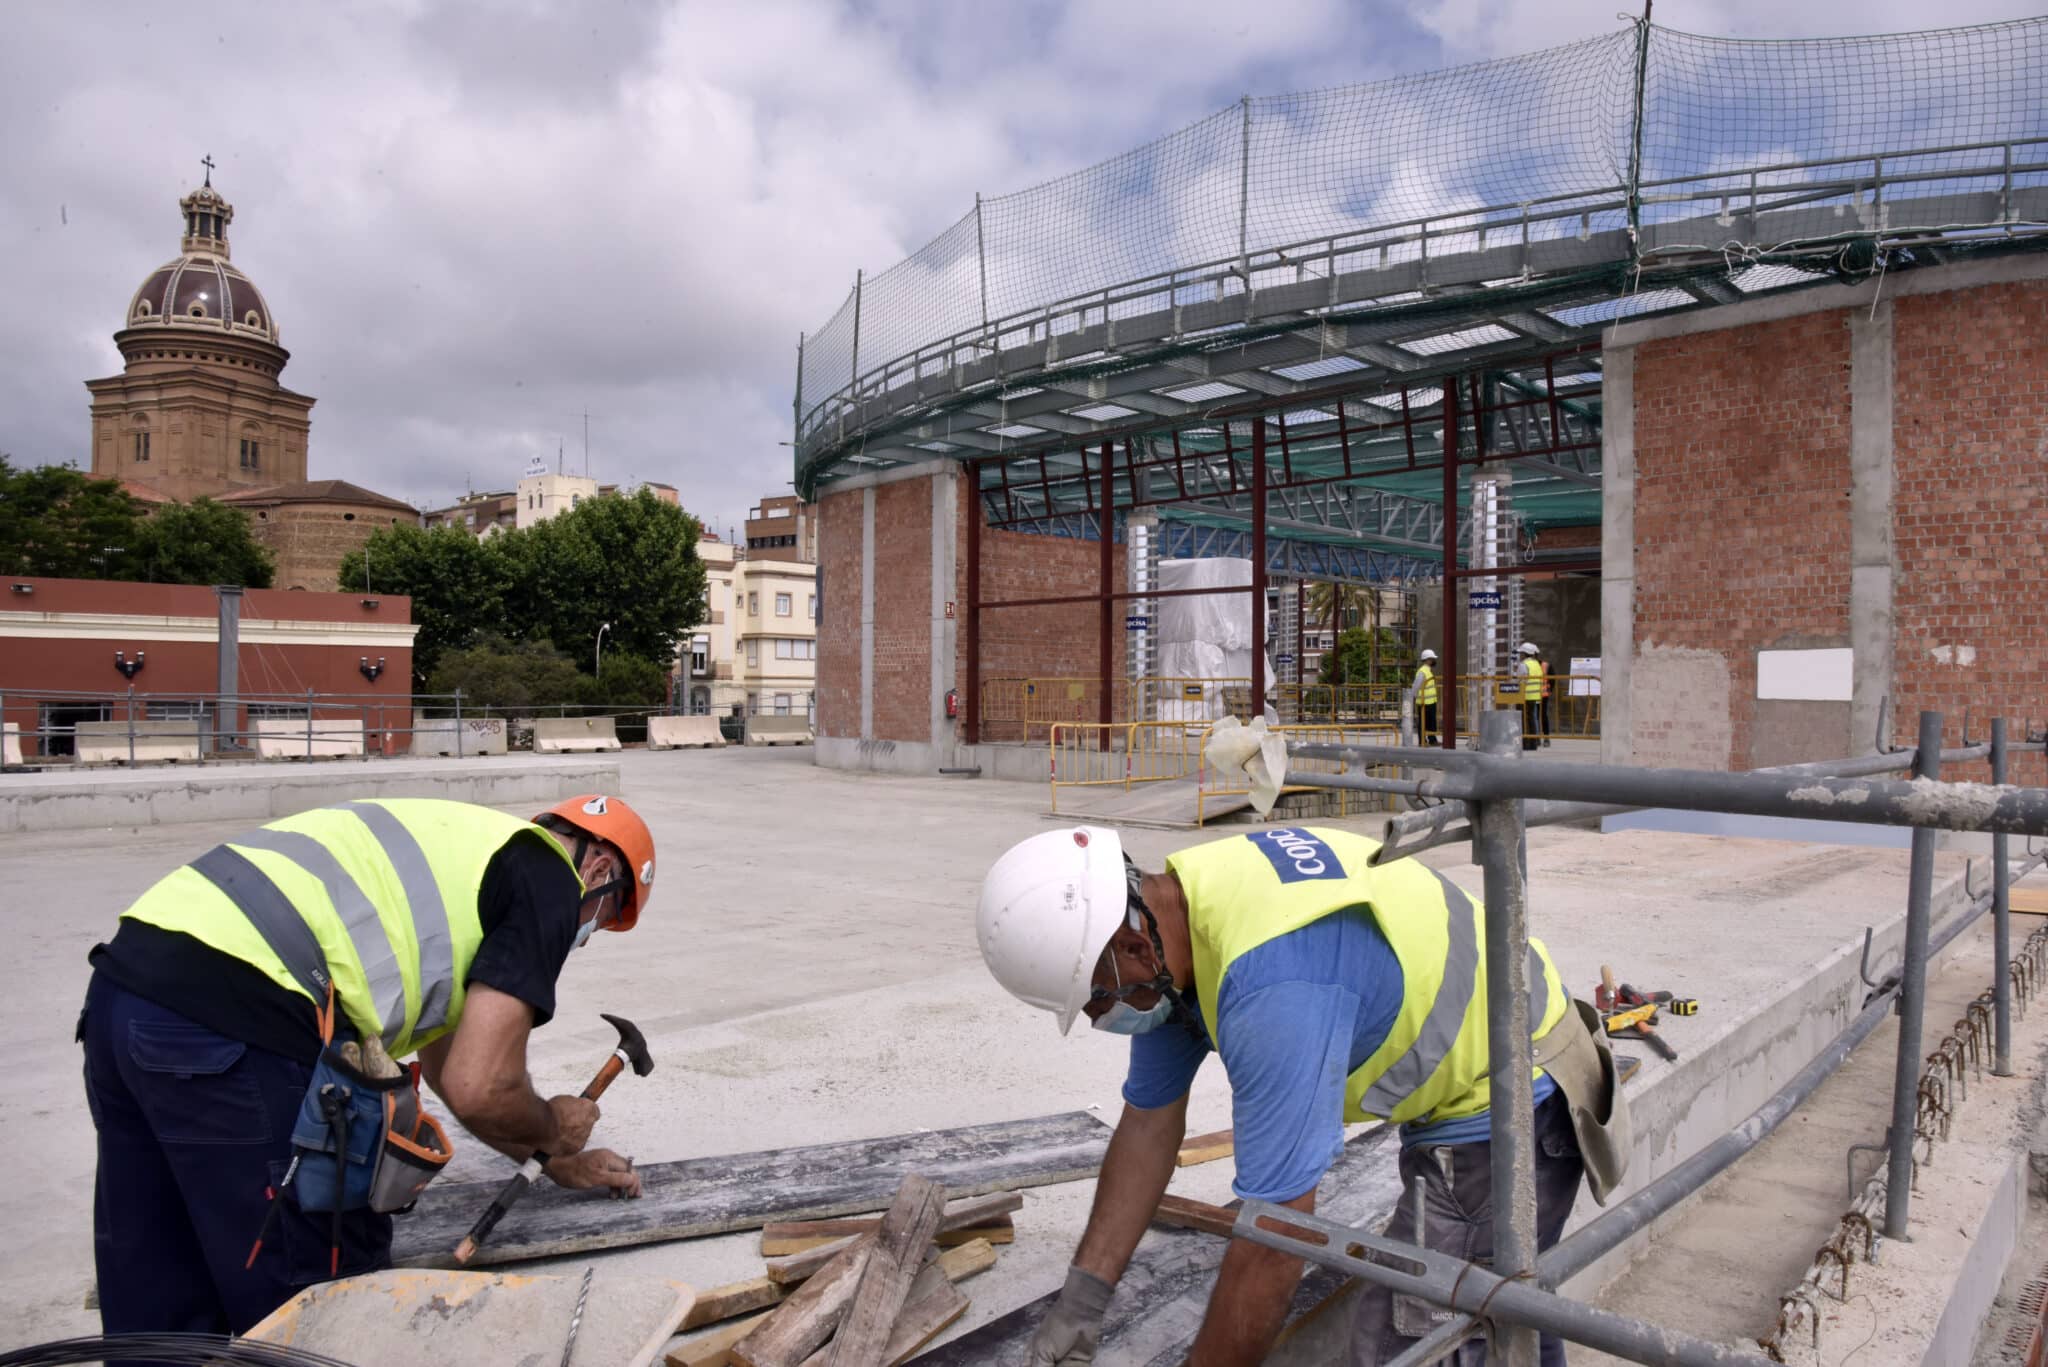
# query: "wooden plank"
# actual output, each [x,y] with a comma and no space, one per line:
[734,1298]
[1205,1148]
[1165,1290]
[976,1212]
[800,1325]
[998,1231]
[963,1262]
[892,1265]
[933,1303]
[2031,898]
[715,1348]
[797,1266]
[1181,1212]
[700,1196]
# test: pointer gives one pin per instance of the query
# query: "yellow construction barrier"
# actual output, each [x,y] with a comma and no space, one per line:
[1121,754]
[1568,714]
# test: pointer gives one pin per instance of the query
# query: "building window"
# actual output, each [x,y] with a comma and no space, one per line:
[575,500]
[753,605]
[700,655]
[811,606]
[252,454]
[789,649]
[782,605]
[754,653]
[782,704]
[753,704]
[142,448]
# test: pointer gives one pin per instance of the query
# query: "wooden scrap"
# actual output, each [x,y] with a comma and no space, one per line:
[717,1195]
[2031,898]
[797,1266]
[997,1231]
[1205,1148]
[734,1298]
[715,1348]
[933,1303]
[963,1262]
[1182,1212]
[892,1265]
[800,1325]
[975,1217]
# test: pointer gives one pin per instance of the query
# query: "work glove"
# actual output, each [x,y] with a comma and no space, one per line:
[1069,1332]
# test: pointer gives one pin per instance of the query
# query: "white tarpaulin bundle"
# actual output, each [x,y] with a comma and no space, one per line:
[1203,636]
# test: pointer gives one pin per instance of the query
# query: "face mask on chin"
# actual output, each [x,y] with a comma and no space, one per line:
[1124,1019]
[584,932]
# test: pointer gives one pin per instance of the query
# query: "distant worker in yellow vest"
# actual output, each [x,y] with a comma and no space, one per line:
[1425,699]
[1535,690]
[381,928]
[1335,992]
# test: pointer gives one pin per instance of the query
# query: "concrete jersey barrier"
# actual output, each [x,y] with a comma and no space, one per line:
[10,746]
[564,735]
[285,737]
[106,742]
[675,733]
[480,736]
[778,730]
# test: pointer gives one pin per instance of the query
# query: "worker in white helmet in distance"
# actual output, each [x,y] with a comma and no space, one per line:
[1425,686]
[1312,972]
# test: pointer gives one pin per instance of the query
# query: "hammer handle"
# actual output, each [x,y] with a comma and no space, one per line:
[613,1066]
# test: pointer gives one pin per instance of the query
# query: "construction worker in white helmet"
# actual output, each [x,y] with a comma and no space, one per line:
[1535,690]
[1335,992]
[1426,730]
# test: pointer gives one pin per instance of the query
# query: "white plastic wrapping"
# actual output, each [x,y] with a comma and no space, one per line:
[1204,636]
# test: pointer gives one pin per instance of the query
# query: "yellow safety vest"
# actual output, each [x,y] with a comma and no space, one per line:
[1246,890]
[378,898]
[1538,688]
[1427,691]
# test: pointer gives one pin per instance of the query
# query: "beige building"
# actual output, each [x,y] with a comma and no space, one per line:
[198,409]
[777,591]
[710,683]
[542,493]
[479,514]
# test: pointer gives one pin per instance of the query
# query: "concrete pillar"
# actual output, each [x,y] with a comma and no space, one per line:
[867,613]
[1617,551]
[1871,566]
[225,711]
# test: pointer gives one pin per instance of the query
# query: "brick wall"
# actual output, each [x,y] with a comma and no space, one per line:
[310,539]
[903,610]
[839,552]
[1970,443]
[1741,524]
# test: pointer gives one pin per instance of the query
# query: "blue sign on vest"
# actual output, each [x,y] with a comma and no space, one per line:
[1296,856]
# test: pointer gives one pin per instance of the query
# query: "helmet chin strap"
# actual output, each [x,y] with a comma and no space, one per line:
[590,895]
[1162,981]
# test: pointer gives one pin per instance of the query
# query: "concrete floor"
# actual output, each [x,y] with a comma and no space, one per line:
[808,973]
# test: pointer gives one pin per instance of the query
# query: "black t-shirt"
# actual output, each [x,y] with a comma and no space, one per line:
[528,906]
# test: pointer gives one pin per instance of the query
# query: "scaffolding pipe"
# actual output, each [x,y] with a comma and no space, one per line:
[1917,802]
[1898,1196]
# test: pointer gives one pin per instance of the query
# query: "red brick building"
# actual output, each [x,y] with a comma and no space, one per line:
[68,647]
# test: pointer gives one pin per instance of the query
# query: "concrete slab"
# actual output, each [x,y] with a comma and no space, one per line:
[810,981]
[246,794]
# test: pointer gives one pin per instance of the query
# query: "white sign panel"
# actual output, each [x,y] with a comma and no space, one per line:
[1585,680]
[1806,675]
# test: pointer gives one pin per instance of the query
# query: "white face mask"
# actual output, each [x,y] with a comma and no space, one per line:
[584,932]
[1124,1019]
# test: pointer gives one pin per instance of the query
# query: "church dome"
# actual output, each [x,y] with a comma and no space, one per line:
[200,289]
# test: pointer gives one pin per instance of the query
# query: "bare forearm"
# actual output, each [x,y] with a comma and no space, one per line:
[1135,1172]
[509,1116]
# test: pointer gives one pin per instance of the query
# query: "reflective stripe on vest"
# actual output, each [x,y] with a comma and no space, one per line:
[350,893]
[1245,891]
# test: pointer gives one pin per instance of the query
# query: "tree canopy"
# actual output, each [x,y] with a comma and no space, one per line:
[627,562]
[59,522]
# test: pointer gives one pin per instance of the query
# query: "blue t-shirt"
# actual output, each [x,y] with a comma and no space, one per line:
[1295,1017]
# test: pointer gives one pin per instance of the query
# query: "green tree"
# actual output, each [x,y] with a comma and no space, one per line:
[625,681]
[627,561]
[58,522]
[457,583]
[203,542]
[1353,660]
[511,675]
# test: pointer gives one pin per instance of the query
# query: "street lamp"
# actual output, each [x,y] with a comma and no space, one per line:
[597,661]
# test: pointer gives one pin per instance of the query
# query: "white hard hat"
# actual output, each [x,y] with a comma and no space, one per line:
[1429,654]
[1528,648]
[1048,907]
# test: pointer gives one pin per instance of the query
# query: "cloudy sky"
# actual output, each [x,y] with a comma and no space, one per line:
[474,222]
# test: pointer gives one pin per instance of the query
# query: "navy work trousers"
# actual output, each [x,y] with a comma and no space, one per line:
[1457,1199]
[194,1129]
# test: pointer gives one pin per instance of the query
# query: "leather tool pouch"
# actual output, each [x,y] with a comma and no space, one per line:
[1580,1061]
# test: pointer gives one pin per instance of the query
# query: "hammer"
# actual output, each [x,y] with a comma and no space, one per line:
[632,1049]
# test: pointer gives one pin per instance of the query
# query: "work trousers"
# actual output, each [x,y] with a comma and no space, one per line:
[1458,1219]
[1430,730]
[1532,723]
[194,1131]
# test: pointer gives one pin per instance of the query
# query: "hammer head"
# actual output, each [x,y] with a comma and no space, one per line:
[633,1043]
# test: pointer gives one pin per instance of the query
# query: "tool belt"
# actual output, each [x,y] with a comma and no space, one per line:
[362,1141]
[1576,1055]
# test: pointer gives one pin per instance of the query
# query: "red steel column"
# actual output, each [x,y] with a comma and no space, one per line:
[1106,646]
[970,711]
[1447,699]
[1258,567]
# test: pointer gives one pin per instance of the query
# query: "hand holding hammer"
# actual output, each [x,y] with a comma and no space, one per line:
[632,1049]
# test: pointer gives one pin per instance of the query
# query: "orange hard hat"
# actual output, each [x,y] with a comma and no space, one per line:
[609,819]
